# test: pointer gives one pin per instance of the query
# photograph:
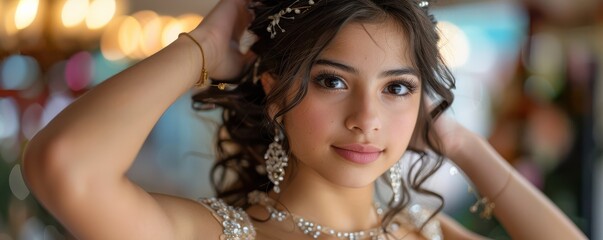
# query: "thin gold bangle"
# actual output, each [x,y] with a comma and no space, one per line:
[487,204]
[204,74]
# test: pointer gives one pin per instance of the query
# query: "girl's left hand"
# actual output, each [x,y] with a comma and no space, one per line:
[449,132]
[223,28]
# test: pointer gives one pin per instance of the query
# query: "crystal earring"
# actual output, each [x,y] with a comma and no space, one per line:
[276,161]
[395,179]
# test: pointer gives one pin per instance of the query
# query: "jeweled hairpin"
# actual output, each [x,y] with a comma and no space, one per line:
[276,18]
[423,4]
[287,13]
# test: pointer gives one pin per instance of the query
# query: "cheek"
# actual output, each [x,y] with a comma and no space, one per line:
[310,123]
[402,125]
[400,128]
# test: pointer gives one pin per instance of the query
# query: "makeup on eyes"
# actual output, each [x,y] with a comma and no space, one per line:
[330,80]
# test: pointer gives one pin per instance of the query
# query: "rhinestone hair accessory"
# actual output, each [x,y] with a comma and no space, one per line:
[290,11]
[287,13]
[423,4]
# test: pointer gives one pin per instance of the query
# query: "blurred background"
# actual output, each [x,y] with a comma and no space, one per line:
[528,78]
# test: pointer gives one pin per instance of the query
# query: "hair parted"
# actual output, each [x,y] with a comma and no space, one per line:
[288,56]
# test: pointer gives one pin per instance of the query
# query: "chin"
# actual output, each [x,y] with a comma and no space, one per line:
[351,179]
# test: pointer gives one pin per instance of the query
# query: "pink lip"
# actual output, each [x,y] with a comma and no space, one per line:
[358,153]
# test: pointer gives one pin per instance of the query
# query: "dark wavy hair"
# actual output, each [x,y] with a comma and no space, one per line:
[247,128]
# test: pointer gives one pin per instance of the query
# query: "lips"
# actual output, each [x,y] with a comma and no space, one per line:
[358,153]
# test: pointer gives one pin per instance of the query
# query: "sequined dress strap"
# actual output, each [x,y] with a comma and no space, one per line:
[417,215]
[235,222]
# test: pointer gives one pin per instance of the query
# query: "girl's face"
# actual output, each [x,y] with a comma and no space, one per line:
[361,107]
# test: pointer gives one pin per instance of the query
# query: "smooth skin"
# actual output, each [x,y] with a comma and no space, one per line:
[76,165]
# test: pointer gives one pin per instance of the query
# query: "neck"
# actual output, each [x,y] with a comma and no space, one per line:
[311,196]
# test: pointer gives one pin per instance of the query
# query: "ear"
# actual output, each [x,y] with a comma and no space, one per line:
[267,82]
[268,85]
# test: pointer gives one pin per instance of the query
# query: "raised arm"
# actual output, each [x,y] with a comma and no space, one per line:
[521,208]
[76,165]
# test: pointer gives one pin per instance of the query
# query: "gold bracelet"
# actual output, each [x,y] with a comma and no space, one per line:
[204,74]
[488,205]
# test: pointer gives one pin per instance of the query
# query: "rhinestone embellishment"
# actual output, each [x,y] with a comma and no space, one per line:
[310,228]
[287,13]
[235,221]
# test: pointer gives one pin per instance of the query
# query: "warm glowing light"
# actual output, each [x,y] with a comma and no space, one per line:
[453,44]
[129,35]
[74,12]
[9,20]
[109,42]
[150,41]
[189,21]
[100,13]
[26,13]
[171,29]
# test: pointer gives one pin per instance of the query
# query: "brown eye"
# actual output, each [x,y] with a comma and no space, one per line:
[331,82]
[397,89]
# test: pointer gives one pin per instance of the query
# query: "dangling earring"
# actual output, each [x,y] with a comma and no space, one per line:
[276,161]
[395,179]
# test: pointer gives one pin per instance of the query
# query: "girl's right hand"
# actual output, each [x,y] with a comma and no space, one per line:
[220,35]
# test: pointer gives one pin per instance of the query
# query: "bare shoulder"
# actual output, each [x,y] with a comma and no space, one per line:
[451,229]
[190,218]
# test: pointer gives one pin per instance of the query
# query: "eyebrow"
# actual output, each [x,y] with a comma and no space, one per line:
[349,69]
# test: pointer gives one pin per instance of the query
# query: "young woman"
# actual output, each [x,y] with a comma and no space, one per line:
[329,98]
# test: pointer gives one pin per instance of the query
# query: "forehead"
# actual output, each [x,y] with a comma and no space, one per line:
[383,42]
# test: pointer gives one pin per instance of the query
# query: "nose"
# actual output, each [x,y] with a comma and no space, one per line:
[363,114]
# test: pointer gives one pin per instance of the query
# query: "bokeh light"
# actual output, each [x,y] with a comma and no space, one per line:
[9,118]
[109,42]
[189,21]
[171,28]
[26,13]
[55,104]
[545,60]
[19,72]
[9,19]
[74,12]
[105,68]
[453,44]
[17,184]
[34,91]
[33,228]
[56,78]
[129,35]
[150,41]
[78,72]
[100,13]
[30,121]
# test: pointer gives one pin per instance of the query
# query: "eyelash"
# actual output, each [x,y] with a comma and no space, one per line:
[410,85]
[324,75]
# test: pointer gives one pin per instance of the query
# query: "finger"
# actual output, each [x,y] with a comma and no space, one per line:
[227,15]
[246,41]
[245,17]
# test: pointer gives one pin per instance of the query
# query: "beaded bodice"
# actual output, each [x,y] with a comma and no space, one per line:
[235,222]
[238,226]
